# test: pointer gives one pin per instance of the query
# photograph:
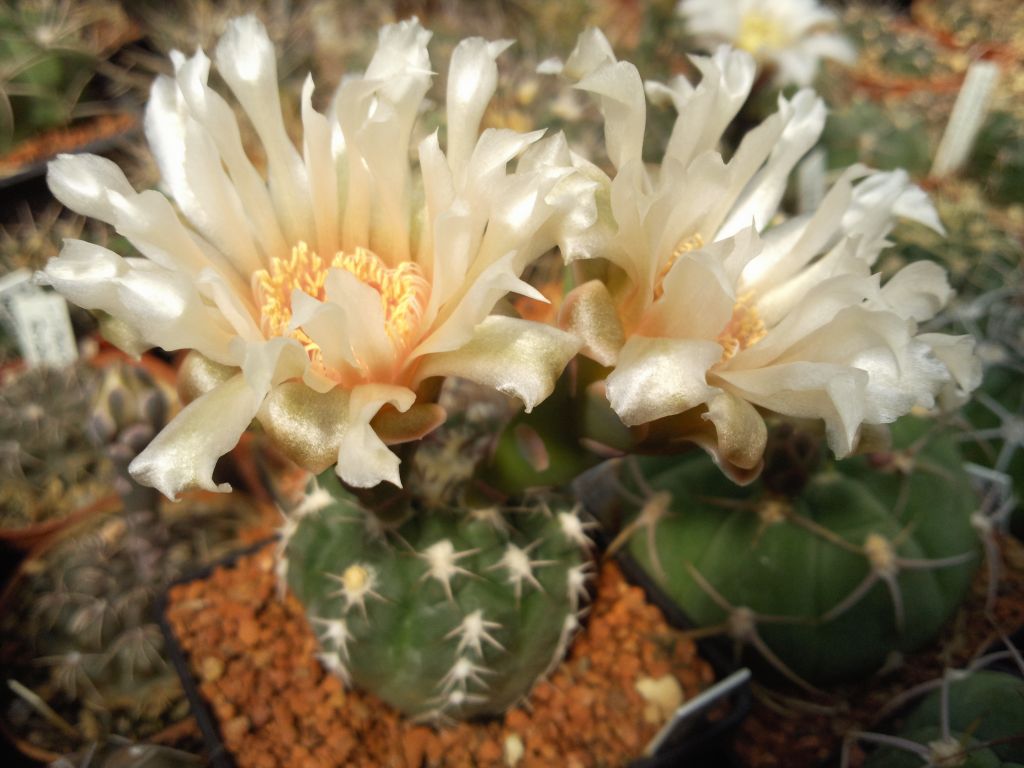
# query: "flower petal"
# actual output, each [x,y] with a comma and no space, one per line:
[660,377]
[804,119]
[741,432]
[588,312]
[162,306]
[918,291]
[306,426]
[957,354]
[212,112]
[96,187]
[482,293]
[185,453]
[190,166]
[320,170]
[363,458]
[836,394]
[247,62]
[514,356]
[472,78]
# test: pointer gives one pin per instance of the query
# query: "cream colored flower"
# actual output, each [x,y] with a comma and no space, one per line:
[328,291]
[717,310]
[786,37]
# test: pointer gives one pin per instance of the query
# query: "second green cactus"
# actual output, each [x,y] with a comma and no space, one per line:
[825,570]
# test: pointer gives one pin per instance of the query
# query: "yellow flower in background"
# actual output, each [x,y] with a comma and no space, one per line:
[720,312]
[326,292]
[787,37]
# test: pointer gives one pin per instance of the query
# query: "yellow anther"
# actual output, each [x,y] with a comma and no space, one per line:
[687,244]
[403,291]
[759,32]
[744,329]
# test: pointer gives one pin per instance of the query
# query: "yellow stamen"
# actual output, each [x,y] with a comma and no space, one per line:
[759,32]
[744,329]
[692,243]
[403,291]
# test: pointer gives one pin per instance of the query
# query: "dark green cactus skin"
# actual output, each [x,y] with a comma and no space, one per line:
[776,566]
[406,643]
[998,158]
[986,711]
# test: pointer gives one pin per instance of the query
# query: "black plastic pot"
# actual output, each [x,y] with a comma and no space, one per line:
[694,739]
[216,753]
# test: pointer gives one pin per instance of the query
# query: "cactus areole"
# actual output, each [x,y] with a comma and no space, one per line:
[455,613]
[859,560]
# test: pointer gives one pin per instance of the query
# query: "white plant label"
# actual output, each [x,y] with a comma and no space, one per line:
[14,284]
[43,328]
[968,115]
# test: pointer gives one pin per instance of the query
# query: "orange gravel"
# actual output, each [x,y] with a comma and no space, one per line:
[254,657]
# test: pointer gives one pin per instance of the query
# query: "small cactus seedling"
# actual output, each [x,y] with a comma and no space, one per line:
[451,614]
[824,570]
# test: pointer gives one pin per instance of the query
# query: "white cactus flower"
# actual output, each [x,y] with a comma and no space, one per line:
[717,309]
[324,293]
[788,38]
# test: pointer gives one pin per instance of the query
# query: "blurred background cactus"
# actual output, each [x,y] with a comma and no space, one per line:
[50,54]
[969,717]
[83,654]
[50,467]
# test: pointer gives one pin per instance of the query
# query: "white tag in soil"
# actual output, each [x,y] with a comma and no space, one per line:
[14,284]
[43,327]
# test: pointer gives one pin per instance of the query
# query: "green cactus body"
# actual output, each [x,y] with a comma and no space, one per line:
[985,715]
[451,615]
[865,559]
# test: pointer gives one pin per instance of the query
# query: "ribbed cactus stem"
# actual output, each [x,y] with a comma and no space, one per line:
[453,613]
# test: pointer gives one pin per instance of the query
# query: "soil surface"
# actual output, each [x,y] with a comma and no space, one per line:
[787,729]
[253,654]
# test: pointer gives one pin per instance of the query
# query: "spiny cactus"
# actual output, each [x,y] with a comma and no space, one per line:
[974,720]
[50,51]
[452,614]
[49,467]
[87,660]
[129,409]
[825,571]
